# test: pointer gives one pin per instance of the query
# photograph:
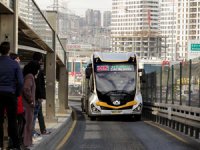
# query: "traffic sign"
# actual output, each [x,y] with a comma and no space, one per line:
[195,47]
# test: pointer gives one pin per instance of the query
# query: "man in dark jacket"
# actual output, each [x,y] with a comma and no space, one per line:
[11,80]
[40,95]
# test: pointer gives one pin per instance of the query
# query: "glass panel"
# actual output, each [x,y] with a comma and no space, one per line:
[195,83]
[157,89]
[158,86]
[185,83]
[165,81]
[177,84]
[169,84]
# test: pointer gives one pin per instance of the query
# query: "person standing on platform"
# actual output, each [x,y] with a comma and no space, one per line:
[40,95]
[20,110]
[28,94]
[11,80]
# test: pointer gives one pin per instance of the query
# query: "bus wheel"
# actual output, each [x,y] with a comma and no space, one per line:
[137,117]
[92,118]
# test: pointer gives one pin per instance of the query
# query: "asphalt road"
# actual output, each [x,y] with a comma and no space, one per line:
[119,133]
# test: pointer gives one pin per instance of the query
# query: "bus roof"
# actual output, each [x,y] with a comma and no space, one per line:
[113,57]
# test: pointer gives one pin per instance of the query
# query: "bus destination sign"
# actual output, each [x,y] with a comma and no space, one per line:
[120,67]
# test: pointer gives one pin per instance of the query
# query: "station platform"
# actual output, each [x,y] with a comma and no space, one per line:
[58,128]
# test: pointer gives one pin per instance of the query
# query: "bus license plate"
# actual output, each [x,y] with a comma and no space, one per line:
[116,111]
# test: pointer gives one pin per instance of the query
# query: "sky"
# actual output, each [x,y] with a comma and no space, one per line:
[78,6]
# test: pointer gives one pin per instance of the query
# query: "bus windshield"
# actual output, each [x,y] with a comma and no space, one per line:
[115,77]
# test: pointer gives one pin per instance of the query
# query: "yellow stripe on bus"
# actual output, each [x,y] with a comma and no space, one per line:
[131,103]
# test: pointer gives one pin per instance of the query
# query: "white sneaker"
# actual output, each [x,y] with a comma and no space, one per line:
[36,138]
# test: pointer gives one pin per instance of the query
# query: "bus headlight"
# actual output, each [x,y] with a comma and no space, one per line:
[138,108]
[94,109]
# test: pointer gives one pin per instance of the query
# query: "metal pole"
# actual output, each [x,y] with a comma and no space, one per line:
[135,46]
[199,91]
[157,48]
[172,84]
[147,86]
[155,86]
[181,83]
[161,84]
[165,47]
[151,77]
[167,90]
[190,75]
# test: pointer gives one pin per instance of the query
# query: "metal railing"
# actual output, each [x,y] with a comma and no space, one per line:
[172,96]
[176,84]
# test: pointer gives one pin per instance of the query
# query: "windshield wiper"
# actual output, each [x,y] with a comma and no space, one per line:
[117,91]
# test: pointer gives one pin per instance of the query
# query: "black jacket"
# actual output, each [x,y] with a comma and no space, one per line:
[40,92]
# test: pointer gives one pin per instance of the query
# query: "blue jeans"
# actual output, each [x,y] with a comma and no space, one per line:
[36,111]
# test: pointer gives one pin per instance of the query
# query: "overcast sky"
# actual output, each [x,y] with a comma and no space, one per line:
[78,6]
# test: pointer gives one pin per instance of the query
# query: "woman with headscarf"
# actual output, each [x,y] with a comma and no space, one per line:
[28,93]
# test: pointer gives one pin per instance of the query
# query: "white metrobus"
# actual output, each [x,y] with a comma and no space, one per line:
[112,85]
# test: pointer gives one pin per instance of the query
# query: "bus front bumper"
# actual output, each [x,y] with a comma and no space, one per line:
[115,112]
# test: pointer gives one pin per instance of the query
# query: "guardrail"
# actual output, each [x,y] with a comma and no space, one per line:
[181,118]
[172,96]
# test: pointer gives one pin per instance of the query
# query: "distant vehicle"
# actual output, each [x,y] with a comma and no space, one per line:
[74,90]
[112,86]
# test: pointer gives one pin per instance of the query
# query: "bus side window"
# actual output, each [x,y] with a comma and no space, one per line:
[91,83]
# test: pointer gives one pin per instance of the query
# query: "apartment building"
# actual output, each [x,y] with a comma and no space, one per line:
[188,26]
[135,27]
[168,24]
[107,19]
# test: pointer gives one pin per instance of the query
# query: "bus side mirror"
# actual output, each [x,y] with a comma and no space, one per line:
[140,70]
[142,79]
[142,75]
[88,72]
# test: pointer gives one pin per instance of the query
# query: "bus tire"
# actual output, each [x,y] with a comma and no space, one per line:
[92,118]
[138,117]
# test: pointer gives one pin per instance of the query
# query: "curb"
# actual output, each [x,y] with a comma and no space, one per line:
[50,142]
[74,98]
